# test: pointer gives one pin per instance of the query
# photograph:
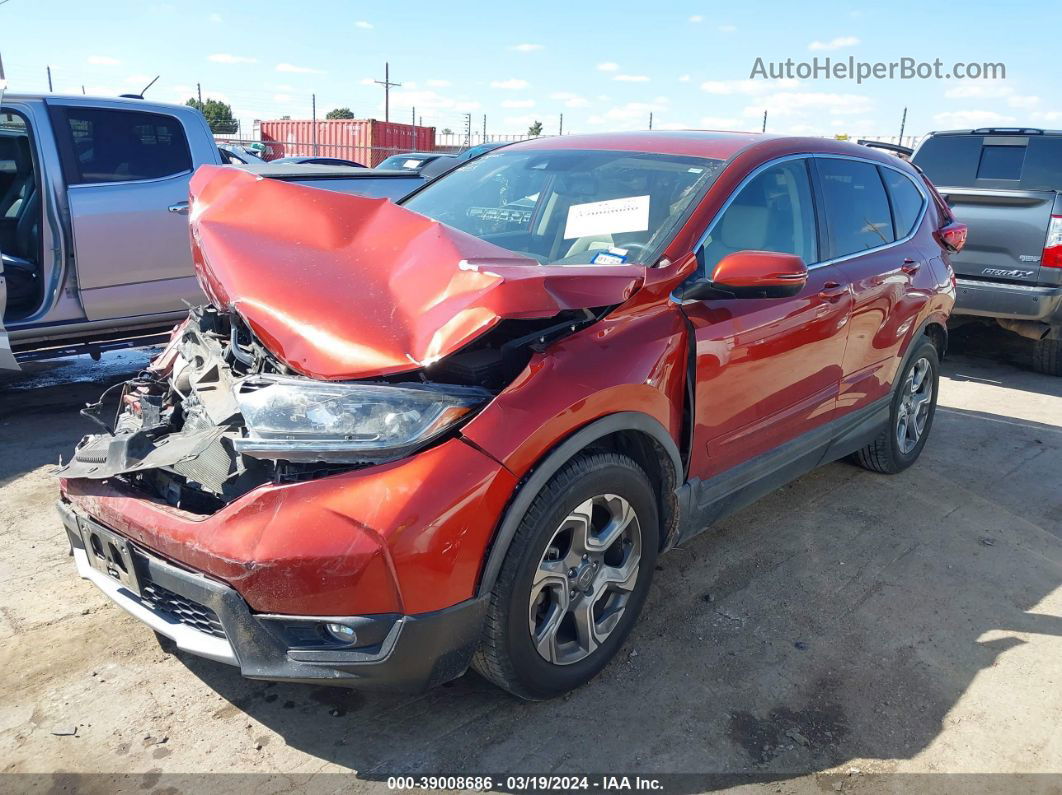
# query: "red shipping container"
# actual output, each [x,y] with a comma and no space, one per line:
[366,141]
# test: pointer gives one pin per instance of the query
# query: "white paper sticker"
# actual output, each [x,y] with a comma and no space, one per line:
[608,217]
[411,164]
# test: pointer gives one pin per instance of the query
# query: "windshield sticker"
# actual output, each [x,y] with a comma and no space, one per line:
[608,217]
[411,164]
[614,256]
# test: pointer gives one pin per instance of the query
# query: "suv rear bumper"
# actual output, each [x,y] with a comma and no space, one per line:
[209,619]
[1015,301]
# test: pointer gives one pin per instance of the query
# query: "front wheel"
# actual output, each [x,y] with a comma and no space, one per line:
[574,579]
[914,403]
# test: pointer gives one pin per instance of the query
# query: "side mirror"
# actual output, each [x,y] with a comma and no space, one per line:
[751,274]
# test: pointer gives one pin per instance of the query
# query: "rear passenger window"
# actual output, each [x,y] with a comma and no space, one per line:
[773,212]
[122,145]
[906,199]
[857,210]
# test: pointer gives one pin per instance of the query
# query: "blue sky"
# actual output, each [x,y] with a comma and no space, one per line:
[604,65]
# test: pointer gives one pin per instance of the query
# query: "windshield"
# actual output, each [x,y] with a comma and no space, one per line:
[568,206]
[404,162]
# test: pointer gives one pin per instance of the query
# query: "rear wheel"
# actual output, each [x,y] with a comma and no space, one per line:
[914,403]
[574,579]
[1047,357]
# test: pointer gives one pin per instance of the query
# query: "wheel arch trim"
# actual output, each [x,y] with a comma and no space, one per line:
[553,461]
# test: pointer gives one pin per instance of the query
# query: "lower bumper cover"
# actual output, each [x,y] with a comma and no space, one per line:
[1016,301]
[409,652]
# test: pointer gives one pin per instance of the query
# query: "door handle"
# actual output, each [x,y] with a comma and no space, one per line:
[833,291]
[910,266]
[181,208]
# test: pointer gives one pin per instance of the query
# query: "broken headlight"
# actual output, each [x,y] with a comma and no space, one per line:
[297,419]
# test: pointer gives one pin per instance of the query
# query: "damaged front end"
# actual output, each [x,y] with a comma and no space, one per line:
[342,332]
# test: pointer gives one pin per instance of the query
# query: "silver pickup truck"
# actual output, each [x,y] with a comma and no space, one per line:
[93,219]
[1005,185]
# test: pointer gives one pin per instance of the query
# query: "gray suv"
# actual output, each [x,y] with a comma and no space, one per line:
[1005,184]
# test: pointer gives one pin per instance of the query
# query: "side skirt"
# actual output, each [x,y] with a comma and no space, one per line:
[703,502]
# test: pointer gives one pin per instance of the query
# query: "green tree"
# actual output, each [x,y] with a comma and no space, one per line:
[340,113]
[218,115]
[447,131]
[535,129]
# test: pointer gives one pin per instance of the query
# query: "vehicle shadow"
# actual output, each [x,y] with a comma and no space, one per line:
[976,351]
[843,618]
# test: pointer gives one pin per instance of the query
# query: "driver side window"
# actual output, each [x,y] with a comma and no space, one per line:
[773,212]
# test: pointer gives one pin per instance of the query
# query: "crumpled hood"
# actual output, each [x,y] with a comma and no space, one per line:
[341,287]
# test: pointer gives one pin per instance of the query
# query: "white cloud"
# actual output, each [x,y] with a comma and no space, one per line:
[720,123]
[526,47]
[798,102]
[632,78]
[361,23]
[367,81]
[992,89]
[630,116]
[1049,116]
[670,125]
[684,78]
[300,70]
[727,28]
[439,83]
[834,44]
[282,98]
[102,60]
[519,121]
[428,101]
[138,80]
[569,99]
[513,84]
[215,17]
[972,118]
[225,57]
[608,66]
[746,87]
[518,103]
[696,18]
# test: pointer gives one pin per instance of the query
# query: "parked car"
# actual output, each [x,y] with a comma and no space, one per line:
[343,179]
[318,161]
[1005,184]
[479,149]
[411,161]
[94,221]
[237,155]
[406,438]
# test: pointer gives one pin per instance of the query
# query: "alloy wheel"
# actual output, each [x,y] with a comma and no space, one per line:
[585,579]
[915,401]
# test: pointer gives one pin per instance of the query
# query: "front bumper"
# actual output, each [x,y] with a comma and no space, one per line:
[1015,301]
[209,619]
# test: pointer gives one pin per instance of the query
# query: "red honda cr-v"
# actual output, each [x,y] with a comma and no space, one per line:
[405,439]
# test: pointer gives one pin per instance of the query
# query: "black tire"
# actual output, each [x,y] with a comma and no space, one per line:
[506,655]
[884,454]
[1047,357]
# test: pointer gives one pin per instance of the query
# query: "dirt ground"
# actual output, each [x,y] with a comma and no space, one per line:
[849,625]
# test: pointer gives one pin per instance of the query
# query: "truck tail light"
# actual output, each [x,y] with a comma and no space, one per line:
[952,236]
[1052,256]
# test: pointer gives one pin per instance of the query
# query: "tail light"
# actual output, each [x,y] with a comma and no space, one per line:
[1052,256]
[952,236]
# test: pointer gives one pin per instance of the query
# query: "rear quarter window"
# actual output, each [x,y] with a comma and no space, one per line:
[906,199]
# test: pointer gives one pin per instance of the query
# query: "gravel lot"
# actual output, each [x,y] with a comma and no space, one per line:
[848,625]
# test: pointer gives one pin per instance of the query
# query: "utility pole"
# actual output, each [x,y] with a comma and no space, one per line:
[198,91]
[413,116]
[313,113]
[2,78]
[560,130]
[468,129]
[82,88]
[386,83]
[484,129]
[650,120]
[764,128]
[903,123]
[49,79]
